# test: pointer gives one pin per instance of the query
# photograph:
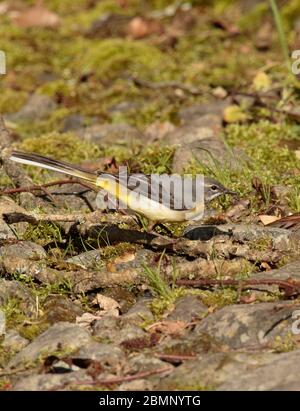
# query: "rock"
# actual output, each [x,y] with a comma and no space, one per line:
[26,249]
[288,271]
[5,231]
[144,362]
[2,323]
[86,260]
[7,206]
[37,107]
[198,139]
[195,112]
[83,200]
[60,337]
[13,341]
[111,134]
[188,308]
[139,312]
[107,354]
[48,382]
[282,239]
[242,326]
[60,308]
[280,374]
[137,385]
[207,372]
[115,330]
[16,290]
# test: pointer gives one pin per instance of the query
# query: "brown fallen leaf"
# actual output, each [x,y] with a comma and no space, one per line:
[168,327]
[268,219]
[291,222]
[107,305]
[36,16]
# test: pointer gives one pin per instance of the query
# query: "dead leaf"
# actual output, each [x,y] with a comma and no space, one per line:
[268,219]
[107,305]
[86,319]
[125,258]
[37,16]
[168,327]
[139,28]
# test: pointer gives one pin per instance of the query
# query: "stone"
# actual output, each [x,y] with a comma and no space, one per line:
[48,382]
[13,341]
[137,385]
[140,362]
[246,326]
[197,111]
[25,249]
[208,371]
[110,134]
[280,374]
[282,239]
[59,337]
[188,308]
[37,107]
[139,312]
[86,260]
[15,290]
[115,330]
[288,271]
[108,355]
[60,308]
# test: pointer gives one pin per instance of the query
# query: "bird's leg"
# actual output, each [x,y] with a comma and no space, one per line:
[150,226]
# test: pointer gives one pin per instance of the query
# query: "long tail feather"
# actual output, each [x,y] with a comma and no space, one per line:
[51,164]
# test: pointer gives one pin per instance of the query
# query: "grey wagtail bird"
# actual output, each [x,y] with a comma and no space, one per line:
[156,209]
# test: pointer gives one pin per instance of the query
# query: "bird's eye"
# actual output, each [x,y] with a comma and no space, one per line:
[214,188]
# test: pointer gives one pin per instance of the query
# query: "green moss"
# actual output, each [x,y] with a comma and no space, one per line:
[109,58]
[261,244]
[253,19]
[11,100]
[63,146]
[43,233]
[284,344]
[217,298]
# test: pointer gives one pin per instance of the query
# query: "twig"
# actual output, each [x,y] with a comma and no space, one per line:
[175,358]
[118,380]
[290,287]
[42,187]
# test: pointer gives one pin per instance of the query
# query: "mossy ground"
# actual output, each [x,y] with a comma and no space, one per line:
[92,76]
